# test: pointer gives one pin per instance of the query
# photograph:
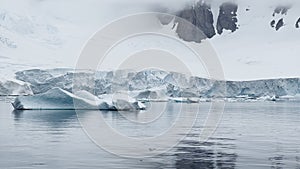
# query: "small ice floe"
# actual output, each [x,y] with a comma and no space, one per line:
[59,99]
[290,98]
[184,100]
[268,98]
[120,101]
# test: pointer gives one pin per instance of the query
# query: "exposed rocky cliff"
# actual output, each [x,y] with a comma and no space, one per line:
[202,16]
[227,17]
[298,23]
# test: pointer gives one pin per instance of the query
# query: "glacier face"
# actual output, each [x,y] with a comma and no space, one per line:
[156,84]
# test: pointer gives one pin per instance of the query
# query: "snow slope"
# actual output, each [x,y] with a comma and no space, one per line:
[256,50]
[51,34]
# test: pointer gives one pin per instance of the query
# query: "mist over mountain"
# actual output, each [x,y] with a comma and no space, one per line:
[247,35]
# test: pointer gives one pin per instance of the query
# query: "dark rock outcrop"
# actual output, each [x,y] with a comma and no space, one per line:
[281,10]
[200,16]
[279,24]
[298,23]
[227,17]
[273,22]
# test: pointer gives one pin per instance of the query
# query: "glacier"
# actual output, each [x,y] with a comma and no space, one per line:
[158,85]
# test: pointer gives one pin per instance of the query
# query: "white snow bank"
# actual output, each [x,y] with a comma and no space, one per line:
[59,99]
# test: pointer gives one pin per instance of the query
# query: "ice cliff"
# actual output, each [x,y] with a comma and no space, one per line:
[156,84]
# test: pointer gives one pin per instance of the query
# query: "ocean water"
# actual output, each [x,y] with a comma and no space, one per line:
[249,135]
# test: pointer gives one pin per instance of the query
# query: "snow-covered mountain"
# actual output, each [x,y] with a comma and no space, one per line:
[211,23]
[26,42]
[253,39]
[30,28]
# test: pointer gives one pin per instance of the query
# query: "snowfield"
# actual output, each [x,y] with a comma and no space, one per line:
[54,31]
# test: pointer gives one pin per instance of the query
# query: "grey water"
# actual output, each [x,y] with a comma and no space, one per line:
[249,135]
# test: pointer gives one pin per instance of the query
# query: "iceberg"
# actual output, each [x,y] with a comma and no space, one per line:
[184,100]
[121,101]
[59,99]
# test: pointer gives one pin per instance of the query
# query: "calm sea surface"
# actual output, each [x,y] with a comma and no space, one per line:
[249,135]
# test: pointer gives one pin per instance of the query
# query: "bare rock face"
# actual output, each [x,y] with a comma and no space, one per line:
[298,23]
[227,17]
[279,24]
[281,10]
[200,16]
[273,22]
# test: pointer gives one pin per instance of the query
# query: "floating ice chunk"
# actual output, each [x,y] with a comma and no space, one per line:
[55,98]
[59,99]
[122,101]
[291,98]
[184,100]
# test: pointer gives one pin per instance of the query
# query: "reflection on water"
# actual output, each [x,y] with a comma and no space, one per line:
[56,118]
[250,135]
[192,154]
[277,161]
